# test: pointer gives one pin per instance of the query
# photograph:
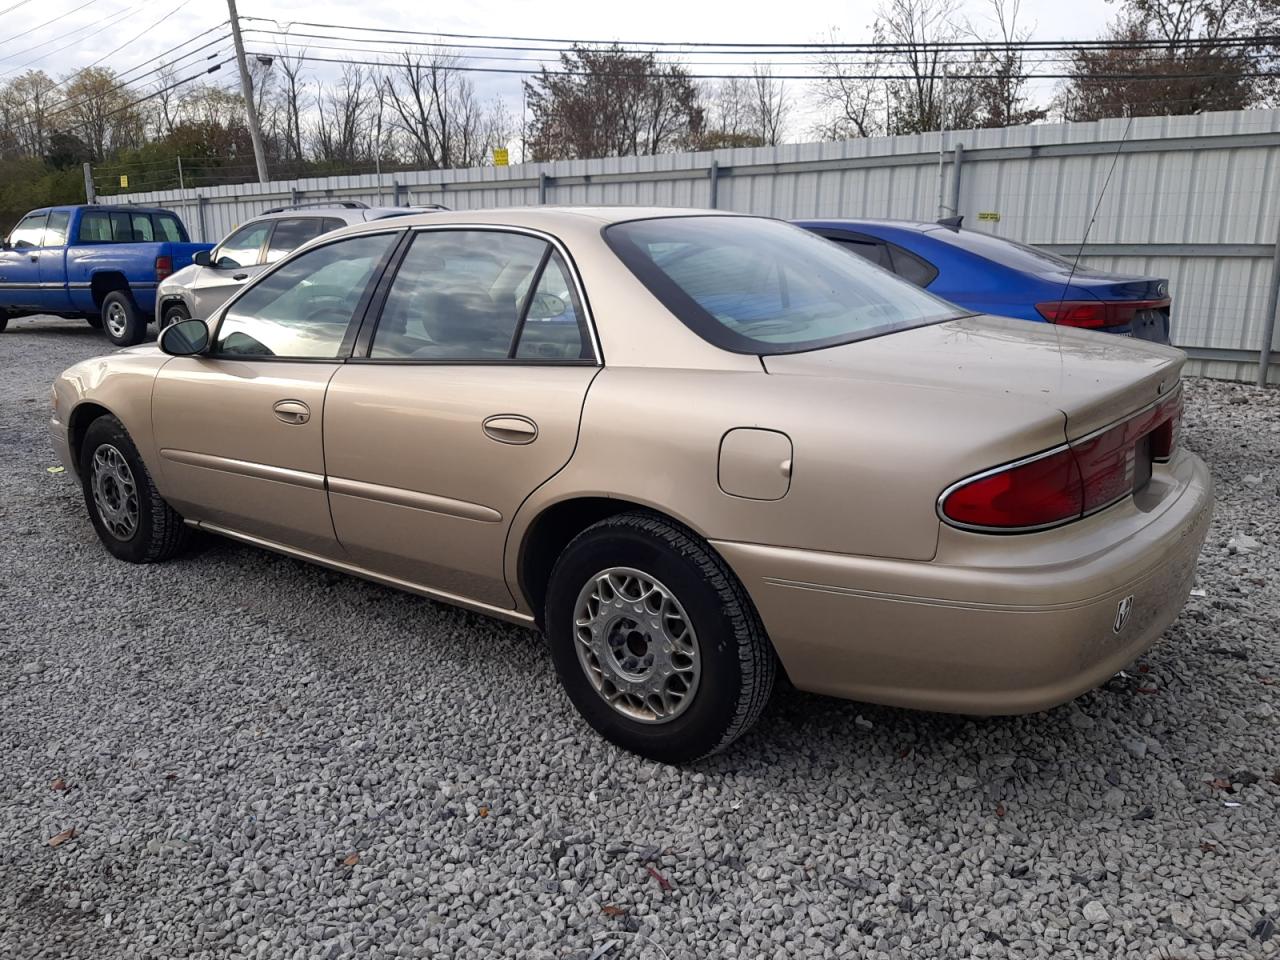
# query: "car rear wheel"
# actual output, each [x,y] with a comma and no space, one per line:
[121,319]
[655,640]
[174,313]
[132,520]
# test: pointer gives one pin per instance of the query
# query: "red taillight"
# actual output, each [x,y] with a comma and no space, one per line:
[1067,483]
[164,267]
[1096,314]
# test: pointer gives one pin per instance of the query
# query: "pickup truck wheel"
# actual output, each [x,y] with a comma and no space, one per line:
[131,518]
[123,322]
[655,640]
[174,313]
[95,322]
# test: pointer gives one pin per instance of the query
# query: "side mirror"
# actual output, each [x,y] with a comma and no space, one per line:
[4,244]
[185,339]
[202,258]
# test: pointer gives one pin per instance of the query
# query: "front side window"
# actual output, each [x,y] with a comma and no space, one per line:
[243,247]
[303,309]
[29,232]
[55,234]
[751,285]
[291,234]
[459,295]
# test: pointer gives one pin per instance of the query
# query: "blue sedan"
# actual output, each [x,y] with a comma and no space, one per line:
[986,274]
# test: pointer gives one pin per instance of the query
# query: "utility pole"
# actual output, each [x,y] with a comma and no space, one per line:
[246,88]
[89,195]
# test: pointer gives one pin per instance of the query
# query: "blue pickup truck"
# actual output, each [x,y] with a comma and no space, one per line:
[95,262]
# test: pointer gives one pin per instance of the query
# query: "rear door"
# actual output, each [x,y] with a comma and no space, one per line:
[240,430]
[289,234]
[465,398]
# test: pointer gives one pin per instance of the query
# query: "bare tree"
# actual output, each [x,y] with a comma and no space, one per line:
[26,104]
[849,98]
[99,110]
[340,132]
[290,98]
[771,102]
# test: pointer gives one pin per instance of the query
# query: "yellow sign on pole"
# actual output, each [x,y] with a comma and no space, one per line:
[124,180]
[501,157]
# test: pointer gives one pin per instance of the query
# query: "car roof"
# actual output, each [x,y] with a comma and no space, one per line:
[919,226]
[550,218]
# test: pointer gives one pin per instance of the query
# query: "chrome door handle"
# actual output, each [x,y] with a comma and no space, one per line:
[292,411]
[511,428]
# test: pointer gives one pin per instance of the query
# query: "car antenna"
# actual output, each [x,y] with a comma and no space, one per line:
[952,223]
[1115,157]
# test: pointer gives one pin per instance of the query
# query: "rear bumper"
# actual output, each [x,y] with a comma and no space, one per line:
[993,625]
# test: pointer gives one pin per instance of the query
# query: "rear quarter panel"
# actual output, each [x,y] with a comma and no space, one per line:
[870,458]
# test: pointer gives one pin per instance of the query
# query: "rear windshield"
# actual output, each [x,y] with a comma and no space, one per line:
[752,285]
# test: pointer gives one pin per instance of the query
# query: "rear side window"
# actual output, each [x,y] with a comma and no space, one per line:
[877,253]
[95,227]
[168,228]
[55,234]
[290,234]
[143,230]
[915,269]
[121,227]
[331,223]
[751,285]
[459,295]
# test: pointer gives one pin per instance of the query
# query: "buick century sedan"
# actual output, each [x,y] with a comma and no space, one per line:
[694,449]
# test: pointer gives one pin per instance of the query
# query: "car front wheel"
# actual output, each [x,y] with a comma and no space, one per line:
[174,313]
[131,518]
[121,319]
[655,640]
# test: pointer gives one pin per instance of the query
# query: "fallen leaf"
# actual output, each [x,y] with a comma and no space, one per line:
[1219,783]
[1207,847]
[55,469]
[171,776]
[63,837]
[904,753]
[663,882]
[484,811]
[1146,689]
[352,860]
[1267,681]
[1000,809]
[609,910]
[58,784]
[1144,668]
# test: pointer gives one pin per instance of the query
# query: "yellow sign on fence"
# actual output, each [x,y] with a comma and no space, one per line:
[500,157]
[124,180]
[993,215]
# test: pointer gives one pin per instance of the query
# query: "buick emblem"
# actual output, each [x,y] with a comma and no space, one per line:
[1123,609]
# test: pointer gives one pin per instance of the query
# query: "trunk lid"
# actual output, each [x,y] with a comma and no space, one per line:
[1093,379]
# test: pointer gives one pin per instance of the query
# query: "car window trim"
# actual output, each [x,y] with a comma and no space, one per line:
[44,223]
[837,234]
[527,301]
[364,344]
[357,316]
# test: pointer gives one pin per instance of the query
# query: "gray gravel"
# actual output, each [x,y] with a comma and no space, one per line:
[264,759]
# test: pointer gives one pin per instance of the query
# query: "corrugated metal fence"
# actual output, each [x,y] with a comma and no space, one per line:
[1196,199]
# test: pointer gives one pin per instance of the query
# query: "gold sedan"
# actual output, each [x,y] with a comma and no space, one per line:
[695,449]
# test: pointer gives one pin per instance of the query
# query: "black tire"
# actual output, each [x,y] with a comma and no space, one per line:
[130,325]
[737,661]
[158,532]
[174,313]
[4,321]
[95,322]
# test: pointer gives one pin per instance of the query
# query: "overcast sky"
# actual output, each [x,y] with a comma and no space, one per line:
[100,26]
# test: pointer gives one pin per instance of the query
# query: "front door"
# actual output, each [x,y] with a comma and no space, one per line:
[467,398]
[233,263]
[54,295]
[240,430]
[20,264]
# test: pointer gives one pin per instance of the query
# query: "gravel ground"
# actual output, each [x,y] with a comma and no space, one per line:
[259,758]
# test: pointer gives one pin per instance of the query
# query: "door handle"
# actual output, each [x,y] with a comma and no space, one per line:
[511,428]
[292,411]
[240,276]
[34,258]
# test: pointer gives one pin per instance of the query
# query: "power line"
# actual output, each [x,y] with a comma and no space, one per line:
[947,74]
[20,3]
[116,18]
[47,22]
[705,46]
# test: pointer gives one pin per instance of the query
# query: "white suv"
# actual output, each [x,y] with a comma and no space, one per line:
[198,290]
